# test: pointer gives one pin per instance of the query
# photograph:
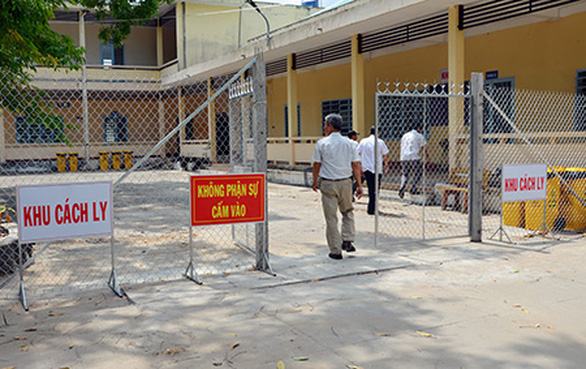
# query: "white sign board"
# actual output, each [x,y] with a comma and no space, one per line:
[524,182]
[64,211]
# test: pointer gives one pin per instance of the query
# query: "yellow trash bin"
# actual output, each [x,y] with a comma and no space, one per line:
[127,159]
[61,161]
[73,161]
[514,214]
[534,209]
[576,212]
[116,160]
[104,160]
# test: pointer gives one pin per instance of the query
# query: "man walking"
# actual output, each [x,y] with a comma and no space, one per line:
[411,145]
[335,160]
[353,136]
[367,152]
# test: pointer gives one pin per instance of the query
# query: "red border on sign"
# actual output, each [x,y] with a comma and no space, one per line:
[227,199]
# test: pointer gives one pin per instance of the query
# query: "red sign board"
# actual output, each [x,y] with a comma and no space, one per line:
[227,199]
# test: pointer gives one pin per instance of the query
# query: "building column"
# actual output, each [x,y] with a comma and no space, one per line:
[456,79]
[358,102]
[159,43]
[212,122]
[291,103]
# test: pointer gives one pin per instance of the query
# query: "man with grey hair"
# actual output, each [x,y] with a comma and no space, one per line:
[335,161]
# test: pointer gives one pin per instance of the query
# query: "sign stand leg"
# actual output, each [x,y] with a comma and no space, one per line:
[501,229]
[191,272]
[21,292]
[113,281]
[544,225]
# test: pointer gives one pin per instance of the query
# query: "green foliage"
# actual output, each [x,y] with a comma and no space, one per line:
[127,13]
[27,42]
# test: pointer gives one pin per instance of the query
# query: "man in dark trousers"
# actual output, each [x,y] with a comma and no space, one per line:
[335,161]
[367,153]
[411,145]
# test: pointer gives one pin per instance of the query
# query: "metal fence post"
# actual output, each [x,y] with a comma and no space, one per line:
[260,127]
[476,160]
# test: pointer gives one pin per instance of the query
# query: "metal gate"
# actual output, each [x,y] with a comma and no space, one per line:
[423,211]
[126,127]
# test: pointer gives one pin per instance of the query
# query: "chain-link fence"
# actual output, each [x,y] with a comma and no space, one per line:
[434,187]
[535,127]
[414,127]
[127,127]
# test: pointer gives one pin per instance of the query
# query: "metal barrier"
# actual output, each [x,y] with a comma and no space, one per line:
[114,112]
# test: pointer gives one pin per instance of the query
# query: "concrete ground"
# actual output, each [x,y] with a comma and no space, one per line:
[434,304]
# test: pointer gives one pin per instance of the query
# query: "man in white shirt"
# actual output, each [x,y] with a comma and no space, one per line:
[366,151]
[353,137]
[411,145]
[335,160]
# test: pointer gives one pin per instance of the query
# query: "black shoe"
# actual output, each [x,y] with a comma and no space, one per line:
[401,193]
[335,256]
[348,246]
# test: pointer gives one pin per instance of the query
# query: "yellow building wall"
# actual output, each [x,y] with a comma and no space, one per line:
[541,56]
[313,87]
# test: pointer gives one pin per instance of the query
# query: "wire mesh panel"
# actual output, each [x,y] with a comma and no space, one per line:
[425,129]
[123,126]
[535,127]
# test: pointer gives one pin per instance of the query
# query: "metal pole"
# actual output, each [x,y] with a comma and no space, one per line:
[376,124]
[476,160]
[423,161]
[113,281]
[84,103]
[21,292]
[190,271]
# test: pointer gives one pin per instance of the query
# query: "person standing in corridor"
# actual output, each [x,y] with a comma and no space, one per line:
[335,161]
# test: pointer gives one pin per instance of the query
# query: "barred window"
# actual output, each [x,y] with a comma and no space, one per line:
[110,55]
[287,120]
[115,127]
[502,91]
[342,107]
[31,132]
[580,106]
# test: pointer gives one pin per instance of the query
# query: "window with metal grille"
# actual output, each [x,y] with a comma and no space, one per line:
[580,106]
[502,91]
[115,127]
[342,107]
[29,132]
[110,55]
[287,120]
